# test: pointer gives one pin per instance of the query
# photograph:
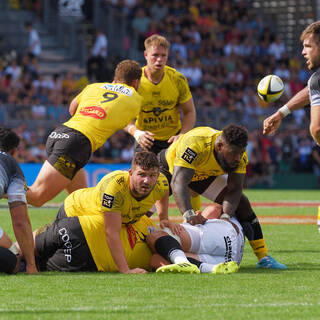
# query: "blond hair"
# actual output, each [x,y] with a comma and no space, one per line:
[157,41]
[312,29]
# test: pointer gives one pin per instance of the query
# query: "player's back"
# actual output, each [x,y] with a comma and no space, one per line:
[103,109]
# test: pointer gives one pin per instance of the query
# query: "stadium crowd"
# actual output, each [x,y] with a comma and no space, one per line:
[214,44]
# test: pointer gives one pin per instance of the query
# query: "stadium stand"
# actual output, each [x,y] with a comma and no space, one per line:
[214,43]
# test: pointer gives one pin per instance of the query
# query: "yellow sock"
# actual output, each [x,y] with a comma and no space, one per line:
[259,248]
[196,203]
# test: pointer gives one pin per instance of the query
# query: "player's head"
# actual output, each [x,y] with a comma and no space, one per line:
[230,146]
[144,173]
[28,25]
[9,140]
[128,72]
[310,38]
[156,52]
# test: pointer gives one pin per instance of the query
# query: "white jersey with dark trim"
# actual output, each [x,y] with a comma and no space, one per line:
[216,241]
[12,180]
[314,89]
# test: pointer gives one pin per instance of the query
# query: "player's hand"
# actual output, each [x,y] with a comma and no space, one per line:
[31,269]
[144,138]
[272,123]
[197,219]
[174,138]
[136,271]
[174,227]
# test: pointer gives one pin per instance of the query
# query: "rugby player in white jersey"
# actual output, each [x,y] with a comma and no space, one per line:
[310,38]
[214,247]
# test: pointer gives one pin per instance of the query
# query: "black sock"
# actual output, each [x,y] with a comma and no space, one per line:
[252,228]
[165,245]
[195,261]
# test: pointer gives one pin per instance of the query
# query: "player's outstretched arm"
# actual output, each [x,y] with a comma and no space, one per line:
[113,224]
[22,230]
[299,100]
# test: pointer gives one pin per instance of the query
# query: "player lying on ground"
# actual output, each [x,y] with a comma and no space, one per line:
[77,244]
[121,198]
[214,247]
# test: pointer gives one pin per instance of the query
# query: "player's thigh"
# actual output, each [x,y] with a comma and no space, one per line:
[212,188]
[79,181]
[73,253]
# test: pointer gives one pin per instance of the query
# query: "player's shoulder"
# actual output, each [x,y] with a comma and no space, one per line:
[314,81]
[202,131]
[116,178]
[8,161]
[174,73]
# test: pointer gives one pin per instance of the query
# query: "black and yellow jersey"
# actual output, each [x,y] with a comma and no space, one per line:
[103,109]
[159,111]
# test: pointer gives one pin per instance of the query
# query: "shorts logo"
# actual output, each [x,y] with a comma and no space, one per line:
[94,112]
[107,201]
[228,253]
[55,135]
[189,155]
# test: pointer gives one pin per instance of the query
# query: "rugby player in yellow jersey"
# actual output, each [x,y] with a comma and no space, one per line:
[165,93]
[97,112]
[213,163]
[121,198]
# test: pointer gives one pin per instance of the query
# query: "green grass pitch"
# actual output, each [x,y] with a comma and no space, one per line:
[249,294]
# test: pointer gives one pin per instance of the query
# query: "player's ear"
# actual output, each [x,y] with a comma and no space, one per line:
[130,172]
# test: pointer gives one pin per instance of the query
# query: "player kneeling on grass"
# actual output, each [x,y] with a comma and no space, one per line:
[214,247]
[120,199]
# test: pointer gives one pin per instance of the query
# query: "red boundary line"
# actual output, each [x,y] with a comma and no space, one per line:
[271,204]
[271,220]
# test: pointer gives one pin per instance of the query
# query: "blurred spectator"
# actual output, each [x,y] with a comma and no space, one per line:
[140,25]
[98,55]
[34,44]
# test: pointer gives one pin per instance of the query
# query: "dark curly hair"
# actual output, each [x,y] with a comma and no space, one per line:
[146,160]
[235,135]
[8,139]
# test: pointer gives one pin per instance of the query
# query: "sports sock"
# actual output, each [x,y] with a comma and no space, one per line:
[196,202]
[252,230]
[195,261]
[177,256]
[259,248]
[170,249]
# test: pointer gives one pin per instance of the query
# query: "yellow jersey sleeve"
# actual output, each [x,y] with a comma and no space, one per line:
[103,109]
[159,112]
